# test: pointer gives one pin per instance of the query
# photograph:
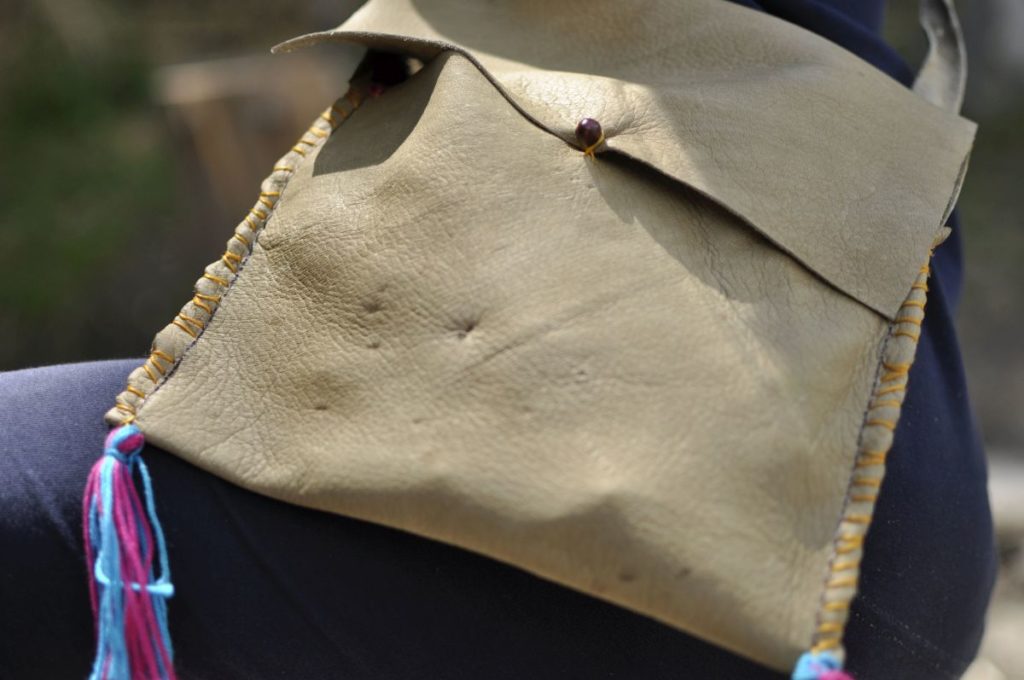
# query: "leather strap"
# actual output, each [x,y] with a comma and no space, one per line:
[943,76]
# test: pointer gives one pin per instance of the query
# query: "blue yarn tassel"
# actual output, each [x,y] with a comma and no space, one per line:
[819,666]
[122,533]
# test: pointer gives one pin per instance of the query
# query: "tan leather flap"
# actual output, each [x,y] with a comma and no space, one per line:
[828,158]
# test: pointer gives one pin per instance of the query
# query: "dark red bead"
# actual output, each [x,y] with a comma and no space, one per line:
[588,132]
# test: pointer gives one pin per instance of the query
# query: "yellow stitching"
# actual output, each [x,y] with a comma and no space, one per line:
[231,261]
[589,151]
[850,546]
[192,321]
[842,582]
[163,355]
[159,369]
[189,324]
[890,390]
[184,328]
[895,373]
[893,380]
[826,644]
[157,354]
[198,301]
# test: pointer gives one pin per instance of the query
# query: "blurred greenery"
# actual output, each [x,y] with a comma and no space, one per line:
[89,170]
[99,192]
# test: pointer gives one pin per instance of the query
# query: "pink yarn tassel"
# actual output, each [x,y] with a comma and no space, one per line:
[122,536]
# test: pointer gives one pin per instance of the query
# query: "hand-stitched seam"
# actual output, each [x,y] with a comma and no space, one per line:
[173,342]
[876,436]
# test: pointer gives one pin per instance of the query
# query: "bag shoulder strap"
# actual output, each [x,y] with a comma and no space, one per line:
[943,76]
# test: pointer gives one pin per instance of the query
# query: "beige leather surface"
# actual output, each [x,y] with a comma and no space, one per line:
[740,105]
[456,324]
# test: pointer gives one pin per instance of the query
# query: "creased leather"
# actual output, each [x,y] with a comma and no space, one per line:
[739,105]
[456,324]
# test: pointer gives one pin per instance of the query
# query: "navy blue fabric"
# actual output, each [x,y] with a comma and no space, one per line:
[929,559]
[268,590]
[853,24]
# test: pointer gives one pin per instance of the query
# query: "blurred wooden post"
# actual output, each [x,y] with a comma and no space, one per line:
[239,115]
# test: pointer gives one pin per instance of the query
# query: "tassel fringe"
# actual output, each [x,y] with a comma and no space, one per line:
[122,537]
[820,666]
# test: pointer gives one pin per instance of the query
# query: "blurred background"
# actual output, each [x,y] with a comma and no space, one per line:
[134,136]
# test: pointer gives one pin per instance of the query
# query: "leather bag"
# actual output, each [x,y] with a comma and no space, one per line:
[663,371]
